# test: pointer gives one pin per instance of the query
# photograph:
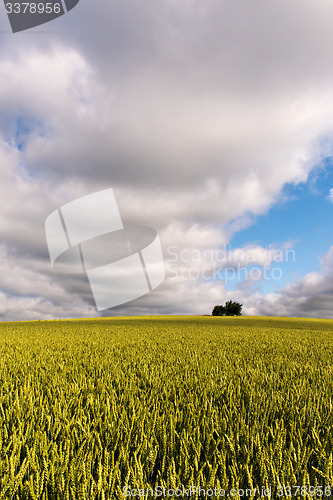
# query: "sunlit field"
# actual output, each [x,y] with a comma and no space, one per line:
[109,408]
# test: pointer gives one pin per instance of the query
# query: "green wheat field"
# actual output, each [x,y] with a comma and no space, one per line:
[94,409]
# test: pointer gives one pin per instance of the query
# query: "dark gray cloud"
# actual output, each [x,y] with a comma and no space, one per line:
[196,113]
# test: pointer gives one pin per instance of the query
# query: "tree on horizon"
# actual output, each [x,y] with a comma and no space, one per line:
[230,308]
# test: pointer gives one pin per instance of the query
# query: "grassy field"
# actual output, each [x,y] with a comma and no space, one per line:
[88,407]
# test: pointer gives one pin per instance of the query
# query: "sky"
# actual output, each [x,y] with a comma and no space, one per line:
[211,121]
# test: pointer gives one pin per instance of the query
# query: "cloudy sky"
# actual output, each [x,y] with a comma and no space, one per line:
[213,123]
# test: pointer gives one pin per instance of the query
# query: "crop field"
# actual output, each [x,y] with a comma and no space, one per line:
[114,408]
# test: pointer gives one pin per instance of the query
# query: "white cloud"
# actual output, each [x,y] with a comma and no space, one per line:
[330,195]
[310,296]
[196,114]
